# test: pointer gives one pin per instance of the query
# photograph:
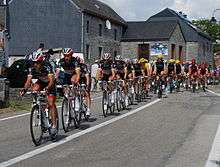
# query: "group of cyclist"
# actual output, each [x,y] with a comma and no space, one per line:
[72,70]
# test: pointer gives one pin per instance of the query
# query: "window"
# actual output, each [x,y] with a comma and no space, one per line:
[115,34]
[100,52]
[115,53]
[87,27]
[100,30]
[87,52]
[173,49]
[180,52]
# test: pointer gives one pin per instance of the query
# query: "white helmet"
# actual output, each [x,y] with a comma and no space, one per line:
[37,56]
[106,56]
[118,57]
[67,51]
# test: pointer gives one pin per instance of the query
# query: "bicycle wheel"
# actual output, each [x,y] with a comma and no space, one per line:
[105,104]
[36,125]
[76,110]
[111,103]
[66,117]
[118,100]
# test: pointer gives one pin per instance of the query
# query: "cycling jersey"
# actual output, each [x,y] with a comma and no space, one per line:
[203,71]
[106,67]
[178,69]
[69,67]
[130,68]
[194,69]
[171,68]
[137,69]
[84,70]
[160,67]
[119,66]
[42,77]
[67,70]
[186,68]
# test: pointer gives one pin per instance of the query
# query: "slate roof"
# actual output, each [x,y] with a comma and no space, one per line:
[190,32]
[99,9]
[149,31]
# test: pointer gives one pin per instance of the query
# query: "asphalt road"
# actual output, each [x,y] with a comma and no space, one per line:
[173,132]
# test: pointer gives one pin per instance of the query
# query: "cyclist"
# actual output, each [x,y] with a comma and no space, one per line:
[179,72]
[161,70]
[85,78]
[130,73]
[68,71]
[203,71]
[171,68]
[120,74]
[146,67]
[160,65]
[193,71]
[106,71]
[120,68]
[41,71]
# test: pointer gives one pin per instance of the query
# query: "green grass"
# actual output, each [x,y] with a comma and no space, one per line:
[18,105]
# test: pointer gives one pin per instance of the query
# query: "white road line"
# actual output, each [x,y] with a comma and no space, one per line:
[214,155]
[217,94]
[71,137]
[22,115]
[16,116]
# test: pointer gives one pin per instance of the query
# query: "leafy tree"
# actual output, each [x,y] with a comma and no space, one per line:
[206,26]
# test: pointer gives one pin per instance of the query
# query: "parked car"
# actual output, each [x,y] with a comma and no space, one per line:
[17,73]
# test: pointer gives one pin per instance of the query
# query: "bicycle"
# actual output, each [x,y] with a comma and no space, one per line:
[120,96]
[80,106]
[131,92]
[40,120]
[108,98]
[69,115]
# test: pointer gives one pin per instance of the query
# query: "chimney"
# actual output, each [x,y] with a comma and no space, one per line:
[185,16]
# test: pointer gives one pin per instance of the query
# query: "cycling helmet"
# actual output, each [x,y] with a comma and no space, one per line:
[118,58]
[193,61]
[67,51]
[160,56]
[135,61]
[38,57]
[143,60]
[106,56]
[177,61]
[171,61]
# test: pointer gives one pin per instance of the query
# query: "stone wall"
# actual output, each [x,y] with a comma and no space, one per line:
[191,50]
[130,49]
[106,41]
[4,93]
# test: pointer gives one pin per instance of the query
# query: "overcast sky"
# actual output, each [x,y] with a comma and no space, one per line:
[133,10]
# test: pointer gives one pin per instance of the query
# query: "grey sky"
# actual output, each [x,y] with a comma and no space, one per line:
[132,10]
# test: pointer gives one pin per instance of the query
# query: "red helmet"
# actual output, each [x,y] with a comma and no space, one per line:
[193,61]
[38,57]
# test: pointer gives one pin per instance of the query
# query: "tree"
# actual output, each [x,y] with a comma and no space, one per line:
[212,29]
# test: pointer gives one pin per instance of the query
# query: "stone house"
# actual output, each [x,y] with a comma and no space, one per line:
[88,26]
[144,39]
[184,41]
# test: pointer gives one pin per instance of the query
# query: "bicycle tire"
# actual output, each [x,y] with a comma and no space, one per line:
[66,125]
[105,104]
[77,115]
[118,101]
[36,140]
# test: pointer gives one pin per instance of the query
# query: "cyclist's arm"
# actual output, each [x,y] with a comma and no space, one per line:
[28,82]
[126,72]
[77,74]
[113,72]
[51,81]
